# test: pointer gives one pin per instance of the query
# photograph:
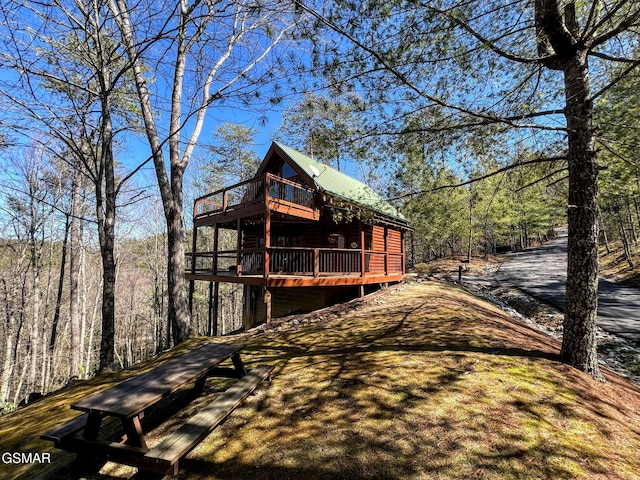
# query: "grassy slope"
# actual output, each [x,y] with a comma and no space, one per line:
[420,381]
[615,265]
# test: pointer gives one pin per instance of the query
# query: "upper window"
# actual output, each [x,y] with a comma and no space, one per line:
[288,171]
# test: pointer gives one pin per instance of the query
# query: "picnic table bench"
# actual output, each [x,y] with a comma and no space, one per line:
[129,400]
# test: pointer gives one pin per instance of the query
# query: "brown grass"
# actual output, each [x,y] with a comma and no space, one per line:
[420,381]
[615,265]
[450,265]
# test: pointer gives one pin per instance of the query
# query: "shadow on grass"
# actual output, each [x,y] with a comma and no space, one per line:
[408,393]
[415,388]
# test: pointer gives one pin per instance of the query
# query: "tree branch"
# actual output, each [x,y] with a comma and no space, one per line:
[482,39]
[603,20]
[482,177]
[490,118]
[620,77]
[531,184]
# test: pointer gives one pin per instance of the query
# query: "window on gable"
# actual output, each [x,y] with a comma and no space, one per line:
[288,171]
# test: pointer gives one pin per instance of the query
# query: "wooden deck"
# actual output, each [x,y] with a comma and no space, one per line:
[297,266]
[253,197]
[277,280]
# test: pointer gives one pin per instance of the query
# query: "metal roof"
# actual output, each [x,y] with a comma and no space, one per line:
[337,184]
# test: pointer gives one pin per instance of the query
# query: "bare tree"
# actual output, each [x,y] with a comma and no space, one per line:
[31,197]
[206,52]
[66,74]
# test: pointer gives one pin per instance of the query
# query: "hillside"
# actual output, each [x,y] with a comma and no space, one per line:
[614,264]
[418,381]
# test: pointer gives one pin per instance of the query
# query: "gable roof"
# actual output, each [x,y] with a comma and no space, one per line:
[336,184]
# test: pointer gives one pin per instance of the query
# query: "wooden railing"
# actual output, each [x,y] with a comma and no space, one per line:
[259,189]
[243,193]
[298,261]
[282,189]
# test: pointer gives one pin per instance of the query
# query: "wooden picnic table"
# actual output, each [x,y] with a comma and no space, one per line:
[129,400]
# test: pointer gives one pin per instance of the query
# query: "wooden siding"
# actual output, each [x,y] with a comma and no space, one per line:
[394,241]
[378,238]
[291,300]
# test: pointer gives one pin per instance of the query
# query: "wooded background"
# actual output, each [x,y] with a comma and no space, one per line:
[459,113]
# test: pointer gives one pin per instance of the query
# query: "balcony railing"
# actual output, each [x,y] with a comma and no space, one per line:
[296,261]
[265,188]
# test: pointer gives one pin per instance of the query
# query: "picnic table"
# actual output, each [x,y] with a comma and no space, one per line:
[129,400]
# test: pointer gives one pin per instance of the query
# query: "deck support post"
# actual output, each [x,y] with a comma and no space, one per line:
[362,254]
[267,241]
[216,307]
[214,298]
[267,301]
[192,283]
[316,262]
[216,234]
[239,248]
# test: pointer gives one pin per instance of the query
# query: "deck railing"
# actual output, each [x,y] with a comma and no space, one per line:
[296,261]
[283,189]
[256,190]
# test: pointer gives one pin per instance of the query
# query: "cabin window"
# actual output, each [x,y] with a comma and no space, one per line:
[337,240]
[368,240]
[287,240]
[288,171]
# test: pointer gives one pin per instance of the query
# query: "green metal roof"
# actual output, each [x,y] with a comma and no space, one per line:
[337,184]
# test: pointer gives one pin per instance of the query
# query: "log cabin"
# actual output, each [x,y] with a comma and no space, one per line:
[303,236]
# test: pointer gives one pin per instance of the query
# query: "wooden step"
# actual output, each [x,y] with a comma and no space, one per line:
[166,454]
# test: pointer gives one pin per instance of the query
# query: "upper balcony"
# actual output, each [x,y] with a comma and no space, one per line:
[265,192]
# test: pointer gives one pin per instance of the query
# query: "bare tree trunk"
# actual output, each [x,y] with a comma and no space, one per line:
[92,327]
[18,386]
[625,241]
[56,314]
[170,186]
[82,306]
[8,362]
[637,209]
[557,33]
[179,314]
[14,323]
[106,214]
[190,39]
[632,226]
[605,238]
[45,363]
[35,265]
[75,260]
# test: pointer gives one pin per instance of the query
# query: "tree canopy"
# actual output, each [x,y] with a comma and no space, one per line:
[525,72]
